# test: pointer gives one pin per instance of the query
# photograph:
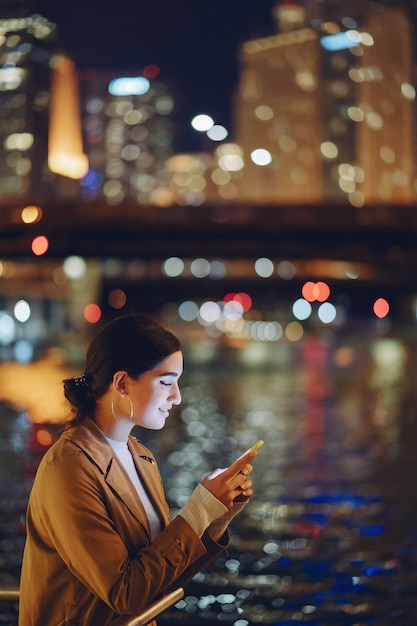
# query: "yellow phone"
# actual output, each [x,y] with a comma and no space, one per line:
[254,448]
[257,445]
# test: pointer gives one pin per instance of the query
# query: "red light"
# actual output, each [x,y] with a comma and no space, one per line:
[315,291]
[244,299]
[381,307]
[40,245]
[92,313]
[151,71]
[308,291]
[323,291]
[229,297]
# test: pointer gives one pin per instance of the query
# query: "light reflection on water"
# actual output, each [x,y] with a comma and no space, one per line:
[328,537]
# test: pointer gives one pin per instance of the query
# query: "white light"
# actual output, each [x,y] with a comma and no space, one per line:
[326,313]
[217,133]
[174,266]
[22,311]
[188,311]
[129,86]
[200,268]
[74,267]
[260,156]
[210,312]
[7,328]
[23,351]
[202,122]
[233,310]
[301,309]
[264,267]
[231,162]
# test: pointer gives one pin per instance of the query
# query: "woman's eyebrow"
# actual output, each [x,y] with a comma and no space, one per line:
[169,374]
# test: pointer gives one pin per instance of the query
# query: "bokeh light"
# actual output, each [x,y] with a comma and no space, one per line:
[202,122]
[74,267]
[40,245]
[217,133]
[264,267]
[23,351]
[172,267]
[261,156]
[301,309]
[117,298]
[315,291]
[188,311]
[22,311]
[7,328]
[381,307]
[294,331]
[31,214]
[92,313]
[210,312]
[326,313]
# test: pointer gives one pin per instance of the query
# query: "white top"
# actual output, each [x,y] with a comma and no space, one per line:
[125,457]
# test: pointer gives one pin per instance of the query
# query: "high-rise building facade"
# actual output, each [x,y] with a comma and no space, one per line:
[325,109]
[40,131]
[129,129]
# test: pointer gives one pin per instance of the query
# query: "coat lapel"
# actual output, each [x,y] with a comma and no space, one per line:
[121,484]
[148,471]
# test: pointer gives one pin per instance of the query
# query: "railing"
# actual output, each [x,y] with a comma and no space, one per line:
[9,593]
[149,614]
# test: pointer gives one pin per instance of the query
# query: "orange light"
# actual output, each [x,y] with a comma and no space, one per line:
[44,437]
[315,291]
[323,291]
[40,245]
[117,298]
[92,313]
[308,291]
[381,307]
[65,145]
[31,214]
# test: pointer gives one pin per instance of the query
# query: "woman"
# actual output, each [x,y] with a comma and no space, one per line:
[100,544]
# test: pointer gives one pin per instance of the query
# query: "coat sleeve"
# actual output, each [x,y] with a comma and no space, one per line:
[72,515]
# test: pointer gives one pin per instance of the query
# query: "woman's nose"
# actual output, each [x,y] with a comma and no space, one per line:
[176,395]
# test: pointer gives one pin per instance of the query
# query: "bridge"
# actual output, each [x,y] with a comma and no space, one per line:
[381,237]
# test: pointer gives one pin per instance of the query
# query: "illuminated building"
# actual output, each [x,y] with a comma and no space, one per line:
[129,133]
[325,108]
[40,131]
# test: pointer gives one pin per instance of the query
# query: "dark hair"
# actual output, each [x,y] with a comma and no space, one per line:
[133,343]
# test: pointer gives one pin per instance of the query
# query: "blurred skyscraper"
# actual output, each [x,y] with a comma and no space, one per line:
[325,109]
[40,129]
[129,132]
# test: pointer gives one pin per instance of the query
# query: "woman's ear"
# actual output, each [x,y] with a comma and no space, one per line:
[120,382]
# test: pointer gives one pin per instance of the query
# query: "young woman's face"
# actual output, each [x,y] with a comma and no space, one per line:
[156,391]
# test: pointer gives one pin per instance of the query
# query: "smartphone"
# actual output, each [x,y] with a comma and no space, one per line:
[254,448]
[257,445]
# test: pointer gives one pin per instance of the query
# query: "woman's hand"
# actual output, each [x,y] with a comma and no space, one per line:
[231,484]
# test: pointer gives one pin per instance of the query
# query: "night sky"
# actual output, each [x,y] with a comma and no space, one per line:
[194,42]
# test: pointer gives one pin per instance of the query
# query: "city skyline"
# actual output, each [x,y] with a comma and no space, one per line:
[195,47]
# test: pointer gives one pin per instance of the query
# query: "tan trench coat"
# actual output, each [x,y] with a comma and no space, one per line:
[88,557]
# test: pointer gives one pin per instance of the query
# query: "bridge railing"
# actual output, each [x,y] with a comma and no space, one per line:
[150,613]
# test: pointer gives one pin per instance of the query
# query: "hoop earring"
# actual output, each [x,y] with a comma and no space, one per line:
[131,409]
[131,406]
